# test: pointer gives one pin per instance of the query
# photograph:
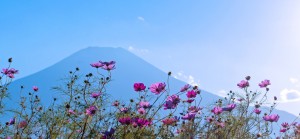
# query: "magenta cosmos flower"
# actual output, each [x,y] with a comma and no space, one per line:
[95,95]
[12,121]
[229,107]
[188,116]
[257,111]
[172,102]
[97,65]
[10,72]
[217,110]
[35,88]
[22,124]
[170,121]
[108,65]
[271,118]
[125,120]
[91,111]
[264,83]
[144,104]
[243,84]
[157,88]
[141,122]
[139,87]
[191,94]
[185,88]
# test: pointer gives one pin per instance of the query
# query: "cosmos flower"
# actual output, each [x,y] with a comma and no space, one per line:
[108,65]
[141,122]
[194,109]
[91,111]
[141,111]
[22,124]
[217,110]
[157,88]
[185,88]
[257,111]
[95,95]
[191,94]
[116,103]
[170,121]
[144,104]
[264,83]
[171,102]
[229,107]
[35,88]
[125,120]
[12,121]
[97,65]
[283,130]
[10,72]
[189,116]
[210,119]
[139,87]
[243,84]
[271,118]
[285,125]
[71,112]
[124,109]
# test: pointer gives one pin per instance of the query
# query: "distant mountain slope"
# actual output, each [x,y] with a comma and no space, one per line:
[129,69]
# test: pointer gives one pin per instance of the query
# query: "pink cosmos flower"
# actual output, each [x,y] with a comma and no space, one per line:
[35,88]
[141,111]
[91,111]
[210,119]
[10,72]
[243,84]
[116,103]
[144,104]
[12,121]
[157,88]
[229,107]
[139,87]
[257,111]
[194,109]
[95,95]
[108,65]
[271,118]
[170,121]
[71,112]
[142,122]
[285,125]
[189,116]
[264,83]
[97,65]
[125,120]
[220,124]
[283,130]
[124,109]
[22,124]
[191,94]
[217,110]
[172,102]
[185,88]
[190,100]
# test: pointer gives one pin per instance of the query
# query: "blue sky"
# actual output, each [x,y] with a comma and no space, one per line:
[211,43]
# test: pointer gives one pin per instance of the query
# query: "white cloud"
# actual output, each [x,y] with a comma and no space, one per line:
[187,78]
[289,95]
[137,51]
[294,80]
[222,93]
[141,18]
